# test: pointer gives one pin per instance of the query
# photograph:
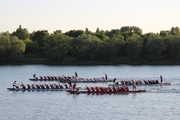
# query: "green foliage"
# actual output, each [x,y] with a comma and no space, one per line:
[11,48]
[74,33]
[133,47]
[57,46]
[175,31]
[169,53]
[102,36]
[84,45]
[40,37]
[176,45]
[117,45]
[131,29]
[124,44]
[87,31]
[21,33]
[155,47]
[113,32]
[164,33]
[32,47]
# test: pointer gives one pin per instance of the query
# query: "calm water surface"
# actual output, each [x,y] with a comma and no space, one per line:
[158,103]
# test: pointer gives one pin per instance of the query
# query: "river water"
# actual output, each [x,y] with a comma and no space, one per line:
[158,103]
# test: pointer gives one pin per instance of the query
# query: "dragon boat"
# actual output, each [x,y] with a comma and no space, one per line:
[138,82]
[73,79]
[80,80]
[100,92]
[143,84]
[39,89]
[104,90]
[42,87]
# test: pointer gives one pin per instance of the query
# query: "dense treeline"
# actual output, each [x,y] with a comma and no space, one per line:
[127,44]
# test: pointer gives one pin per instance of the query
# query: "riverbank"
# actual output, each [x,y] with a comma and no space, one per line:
[89,63]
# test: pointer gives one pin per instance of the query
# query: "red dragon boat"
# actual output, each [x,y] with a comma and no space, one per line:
[104,90]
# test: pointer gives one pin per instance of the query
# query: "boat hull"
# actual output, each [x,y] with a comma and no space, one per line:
[73,81]
[115,85]
[99,92]
[39,89]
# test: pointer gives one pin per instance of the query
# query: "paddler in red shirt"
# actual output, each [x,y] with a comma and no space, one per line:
[74,85]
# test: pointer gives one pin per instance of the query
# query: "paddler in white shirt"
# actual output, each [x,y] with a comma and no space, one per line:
[14,84]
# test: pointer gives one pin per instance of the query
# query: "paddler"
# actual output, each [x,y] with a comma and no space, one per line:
[161,78]
[134,85]
[14,84]
[70,84]
[76,75]
[105,76]
[114,80]
[74,85]
[34,76]
[66,86]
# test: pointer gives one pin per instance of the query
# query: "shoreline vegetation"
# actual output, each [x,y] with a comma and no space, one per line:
[127,45]
[88,63]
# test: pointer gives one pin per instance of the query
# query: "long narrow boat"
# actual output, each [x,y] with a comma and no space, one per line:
[39,89]
[73,81]
[119,84]
[101,92]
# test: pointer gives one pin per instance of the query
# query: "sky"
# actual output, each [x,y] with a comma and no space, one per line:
[65,15]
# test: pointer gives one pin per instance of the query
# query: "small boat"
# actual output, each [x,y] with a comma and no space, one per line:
[39,89]
[143,84]
[101,92]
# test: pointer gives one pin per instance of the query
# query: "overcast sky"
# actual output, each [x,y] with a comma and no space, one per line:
[65,15]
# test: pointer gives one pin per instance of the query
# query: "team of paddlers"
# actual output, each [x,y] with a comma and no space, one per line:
[137,82]
[43,86]
[107,89]
[102,79]
[69,85]
[123,88]
[67,78]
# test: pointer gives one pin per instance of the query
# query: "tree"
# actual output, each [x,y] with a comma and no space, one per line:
[133,47]
[176,51]
[32,47]
[87,31]
[58,32]
[169,53]
[74,33]
[11,48]
[131,29]
[164,33]
[175,31]
[40,37]
[57,46]
[97,30]
[102,36]
[117,45]
[21,33]
[84,46]
[155,48]
[111,33]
